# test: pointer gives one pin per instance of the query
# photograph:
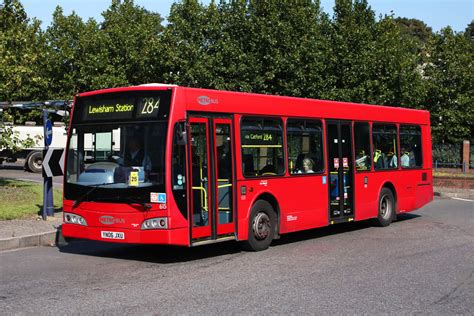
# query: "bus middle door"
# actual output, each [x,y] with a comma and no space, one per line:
[212,173]
[339,151]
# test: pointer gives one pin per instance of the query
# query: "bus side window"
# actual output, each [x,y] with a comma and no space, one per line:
[385,146]
[262,147]
[362,146]
[305,149]
[410,146]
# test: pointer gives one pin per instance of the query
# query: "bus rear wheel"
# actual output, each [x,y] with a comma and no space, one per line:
[262,225]
[386,207]
[34,161]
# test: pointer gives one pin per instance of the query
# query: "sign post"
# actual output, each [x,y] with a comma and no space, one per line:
[48,203]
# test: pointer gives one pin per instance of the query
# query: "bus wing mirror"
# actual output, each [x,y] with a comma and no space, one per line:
[182,138]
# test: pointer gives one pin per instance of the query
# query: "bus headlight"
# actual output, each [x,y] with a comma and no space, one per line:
[74,219]
[155,223]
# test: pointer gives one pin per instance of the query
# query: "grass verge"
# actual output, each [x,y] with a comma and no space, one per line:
[22,199]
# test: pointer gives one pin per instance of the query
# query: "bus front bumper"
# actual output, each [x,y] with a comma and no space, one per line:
[178,236]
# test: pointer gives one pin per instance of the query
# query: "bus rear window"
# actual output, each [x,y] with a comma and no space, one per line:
[262,147]
[410,146]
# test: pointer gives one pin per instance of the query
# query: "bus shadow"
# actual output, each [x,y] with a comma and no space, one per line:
[160,254]
[335,230]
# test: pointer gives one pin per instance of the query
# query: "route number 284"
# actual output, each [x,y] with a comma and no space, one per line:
[150,105]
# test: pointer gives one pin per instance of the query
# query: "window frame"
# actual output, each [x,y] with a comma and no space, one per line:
[421,146]
[371,148]
[283,144]
[323,147]
[397,136]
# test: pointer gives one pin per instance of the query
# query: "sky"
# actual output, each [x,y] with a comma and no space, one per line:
[435,13]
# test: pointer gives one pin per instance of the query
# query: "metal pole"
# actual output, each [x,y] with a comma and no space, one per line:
[48,203]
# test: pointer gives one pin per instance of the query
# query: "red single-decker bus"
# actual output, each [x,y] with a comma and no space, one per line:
[163,164]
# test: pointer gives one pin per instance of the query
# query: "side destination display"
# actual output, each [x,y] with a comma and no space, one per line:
[259,138]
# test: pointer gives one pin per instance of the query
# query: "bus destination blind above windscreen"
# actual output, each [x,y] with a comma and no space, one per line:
[125,106]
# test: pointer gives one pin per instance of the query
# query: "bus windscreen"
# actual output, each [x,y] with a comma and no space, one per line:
[117,145]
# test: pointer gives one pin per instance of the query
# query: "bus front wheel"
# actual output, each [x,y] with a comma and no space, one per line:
[262,225]
[386,207]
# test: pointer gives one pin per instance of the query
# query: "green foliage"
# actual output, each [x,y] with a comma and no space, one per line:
[22,50]
[11,140]
[131,37]
[469,33]
[263,46]
[415,29]
[19,117]
[449,73]
[447,153]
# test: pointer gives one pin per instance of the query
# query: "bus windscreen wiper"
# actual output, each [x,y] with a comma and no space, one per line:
[83,197]
[127,200]
[130,200]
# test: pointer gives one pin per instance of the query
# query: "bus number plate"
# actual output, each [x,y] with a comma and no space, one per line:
[112,235]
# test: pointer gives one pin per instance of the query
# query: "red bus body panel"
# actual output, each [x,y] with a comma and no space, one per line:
[302,201]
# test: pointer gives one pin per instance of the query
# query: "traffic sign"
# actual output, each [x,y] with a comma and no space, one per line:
[48,137]
[53,162]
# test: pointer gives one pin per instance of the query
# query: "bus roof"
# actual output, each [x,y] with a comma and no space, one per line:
[207,100]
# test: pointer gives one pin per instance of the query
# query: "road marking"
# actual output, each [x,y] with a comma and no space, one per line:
[466,200]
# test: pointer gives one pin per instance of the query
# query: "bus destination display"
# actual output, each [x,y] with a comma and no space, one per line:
[120,108]
[148,107]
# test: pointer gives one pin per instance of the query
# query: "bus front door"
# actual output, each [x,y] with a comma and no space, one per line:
[339,151]
[212,183]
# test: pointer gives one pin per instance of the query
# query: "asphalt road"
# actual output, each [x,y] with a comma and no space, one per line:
[422,264]
[16,171]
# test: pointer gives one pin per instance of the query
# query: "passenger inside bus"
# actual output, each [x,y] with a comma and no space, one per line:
[405,158]
[379,159]
[308,166]
[362,160]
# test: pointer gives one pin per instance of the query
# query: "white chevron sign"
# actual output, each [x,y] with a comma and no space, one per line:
[53,162]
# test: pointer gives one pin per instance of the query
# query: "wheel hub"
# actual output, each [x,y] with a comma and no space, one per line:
[385,206]
[38,163]
[261,226]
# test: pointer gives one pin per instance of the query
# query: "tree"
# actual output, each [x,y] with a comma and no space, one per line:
[64,54]
[469,33]
[450,77]
[22,48]
[184,43]
[416,29]
[131,35]
[372,61]
[78,57]
[259,46]
[289,49]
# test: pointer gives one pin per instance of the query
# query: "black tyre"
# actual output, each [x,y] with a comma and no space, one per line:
[34,161]
[386,208]
[262,225]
